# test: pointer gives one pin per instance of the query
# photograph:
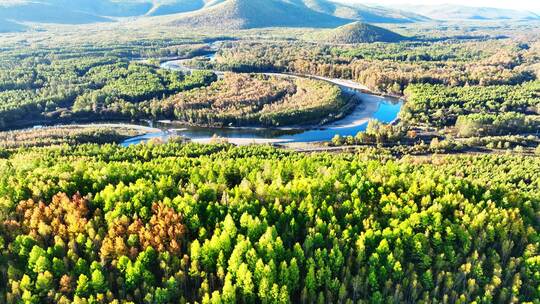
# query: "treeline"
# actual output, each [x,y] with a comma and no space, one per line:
[497,124]
[314,102]
[388,68]
[71,135]
[399,140]
[219,224]
[376,133]
[419,51]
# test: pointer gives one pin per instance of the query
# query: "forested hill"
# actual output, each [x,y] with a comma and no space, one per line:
[358,32]
[216,224]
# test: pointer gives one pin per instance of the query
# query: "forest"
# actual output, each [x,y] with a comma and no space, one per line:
[390,67]
[52,85]
[221,224]
[474,110]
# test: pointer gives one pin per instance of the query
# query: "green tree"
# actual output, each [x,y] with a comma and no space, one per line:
[245,281]
[38,260]
[98,282]
[229,291]
[83,286]
[45,282]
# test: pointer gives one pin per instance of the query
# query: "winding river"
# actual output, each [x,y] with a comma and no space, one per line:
[371,106]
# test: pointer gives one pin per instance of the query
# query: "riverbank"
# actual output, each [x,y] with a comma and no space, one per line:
[70,135]
[360,115]
[141,128]
[240,141]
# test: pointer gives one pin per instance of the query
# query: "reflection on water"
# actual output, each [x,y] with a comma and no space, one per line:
[386,112]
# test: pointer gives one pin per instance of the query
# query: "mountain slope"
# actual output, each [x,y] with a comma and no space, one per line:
[220,14]
[364,13]
[358,32]
[243,14]
[112,8]
[8,26]
[457,12]
[71,11]
[47,12]
[167,7]
[90,11]
[173,7]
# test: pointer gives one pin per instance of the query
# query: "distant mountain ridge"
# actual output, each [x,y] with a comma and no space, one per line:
[459,12]
[67,11]
[364,13]
[225,13]
[242,14]
[168,7]
[8,26]
[237,14]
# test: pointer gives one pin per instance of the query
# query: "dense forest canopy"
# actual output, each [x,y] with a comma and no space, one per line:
[391,67]
[475,110]
[169,223]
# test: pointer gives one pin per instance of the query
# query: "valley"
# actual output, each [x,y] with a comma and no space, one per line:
[352,110]
[269,151]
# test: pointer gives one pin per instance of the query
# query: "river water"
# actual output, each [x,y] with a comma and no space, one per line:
[371,106]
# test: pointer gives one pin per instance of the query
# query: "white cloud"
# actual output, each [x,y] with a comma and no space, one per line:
[528,5]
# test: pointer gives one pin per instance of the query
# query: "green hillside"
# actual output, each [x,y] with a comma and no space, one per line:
[242,14]
[358,32]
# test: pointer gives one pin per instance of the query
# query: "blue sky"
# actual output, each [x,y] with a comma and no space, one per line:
[529,5]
